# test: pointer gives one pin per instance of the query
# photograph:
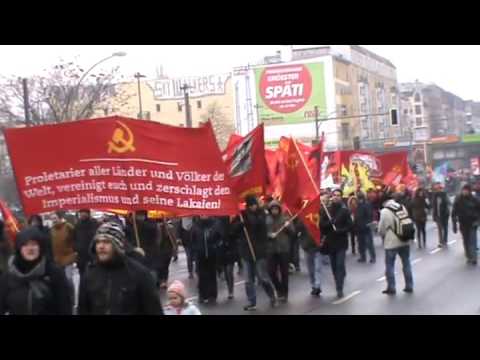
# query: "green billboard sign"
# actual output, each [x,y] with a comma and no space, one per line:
[288,94]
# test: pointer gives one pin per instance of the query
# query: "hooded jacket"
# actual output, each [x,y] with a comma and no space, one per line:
[336,240]
[281,244]
[34,288]
[121,287]
[387,224]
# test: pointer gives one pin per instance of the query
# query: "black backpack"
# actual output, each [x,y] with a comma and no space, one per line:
[404,227]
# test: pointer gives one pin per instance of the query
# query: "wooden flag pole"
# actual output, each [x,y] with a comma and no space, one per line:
[135,229]
[172,241]
[248,239]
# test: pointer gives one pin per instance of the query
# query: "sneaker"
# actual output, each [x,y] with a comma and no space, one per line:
[230,296]
[440,246]
[373,261]
[297,269]
[340,294]
[250,307]
[362,260]
[316,292]
[408,290]
[389,292]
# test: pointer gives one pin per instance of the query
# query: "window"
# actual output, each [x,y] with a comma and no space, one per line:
[439,154]
[179,107]
[105,111]
[158,108]
[148,115]
[417,97]
[199,104]
[418,121]
[418,110]
[346,130]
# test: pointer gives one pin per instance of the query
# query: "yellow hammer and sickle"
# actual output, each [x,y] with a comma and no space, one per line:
[118,143]
[314,219]
[292,162]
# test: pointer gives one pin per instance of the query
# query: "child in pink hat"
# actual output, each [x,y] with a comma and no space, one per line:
[177,303]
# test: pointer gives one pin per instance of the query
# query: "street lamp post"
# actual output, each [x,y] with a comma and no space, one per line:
[188,114]
[138,76]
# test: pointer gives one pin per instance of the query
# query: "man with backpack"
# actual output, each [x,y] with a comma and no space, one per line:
[397,230]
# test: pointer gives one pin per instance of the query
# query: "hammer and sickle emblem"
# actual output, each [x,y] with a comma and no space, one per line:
[119,143]
[292,162]
[314,219]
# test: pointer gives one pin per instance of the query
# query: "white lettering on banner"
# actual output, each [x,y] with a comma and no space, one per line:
[199,86]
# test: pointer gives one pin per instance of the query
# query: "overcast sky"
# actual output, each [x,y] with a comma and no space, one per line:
[453,67]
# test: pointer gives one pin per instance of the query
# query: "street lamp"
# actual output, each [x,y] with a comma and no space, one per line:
[138,76]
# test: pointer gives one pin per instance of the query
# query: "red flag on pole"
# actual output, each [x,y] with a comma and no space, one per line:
[245,161]
[310,216]
[11,224]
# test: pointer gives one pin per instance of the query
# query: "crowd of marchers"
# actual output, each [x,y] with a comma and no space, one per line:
[120,266]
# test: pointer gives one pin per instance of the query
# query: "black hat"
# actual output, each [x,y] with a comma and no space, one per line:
[251,200]
[30,233]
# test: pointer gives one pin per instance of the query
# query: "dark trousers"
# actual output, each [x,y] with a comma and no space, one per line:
[442,227]
[278,271]
[295,252]
[365,242]
[352,241]
[337,262]
[207,277]
[190,260]
[421,233]
[163,267]
[228,271]
[469,234]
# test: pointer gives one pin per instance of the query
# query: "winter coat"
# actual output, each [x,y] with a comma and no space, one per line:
[255,224]
[280,244]
[440,206]
[44,290]
[363,217]
[336,240]
[387,224]
[62,244]
[83,235]
[206,238]
[187,309]
[149,241]
[466,210]
[306,241]
[419,207]
[124,287]
[228,247]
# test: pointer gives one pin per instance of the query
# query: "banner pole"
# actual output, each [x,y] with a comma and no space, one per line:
[248,239]
[172,241]
[135,228]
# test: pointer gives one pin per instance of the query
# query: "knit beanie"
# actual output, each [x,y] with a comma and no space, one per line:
[178,288]
[112,232]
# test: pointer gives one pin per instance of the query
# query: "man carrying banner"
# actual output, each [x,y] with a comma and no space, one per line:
[251,227]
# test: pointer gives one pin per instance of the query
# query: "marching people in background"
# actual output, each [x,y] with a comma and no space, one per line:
[37,221]
[185,235]
[255,265]
[228,253]
[33,284]
[177,303]
[279,230]
[389,229]
[115,284]
[206,237]
[419,207]
[163,251]
[83,234]
[441,213]
[313,257]
[466,212]
[363,221]
[352,204]
[336,230]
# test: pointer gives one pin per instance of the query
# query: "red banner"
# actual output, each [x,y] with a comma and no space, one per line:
[310,216]
[120,163]
[11,224]
[245,160]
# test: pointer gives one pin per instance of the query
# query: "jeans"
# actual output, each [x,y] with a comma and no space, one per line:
[442,227]
[258,269]
[469,235]
[278,265]
[421,233]
[390,256]
[163,267]
[228,271]
[337,263]
[314,267]
[365,242]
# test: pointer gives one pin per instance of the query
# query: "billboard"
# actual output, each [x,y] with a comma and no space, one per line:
[170,89]
[288,94]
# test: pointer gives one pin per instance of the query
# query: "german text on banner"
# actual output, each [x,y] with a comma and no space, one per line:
[120,163]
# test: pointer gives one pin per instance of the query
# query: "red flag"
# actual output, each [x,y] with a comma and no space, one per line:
[120,163]
[11,224]
[310,216]
[299,184]
[245,160]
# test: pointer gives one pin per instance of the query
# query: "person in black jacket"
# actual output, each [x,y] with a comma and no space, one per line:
[363,221]
[441,213]
[185,235]
[466,211]
[115,284]
[228,253]
[33,284]
[254,224]
[83,234]
[206,237]
[336,233]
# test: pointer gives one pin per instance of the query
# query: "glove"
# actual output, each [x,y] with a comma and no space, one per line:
[454,228]
[271,236]
[139,251]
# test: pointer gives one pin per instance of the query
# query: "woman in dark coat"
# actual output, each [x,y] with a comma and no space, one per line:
[33,284]
[419,207]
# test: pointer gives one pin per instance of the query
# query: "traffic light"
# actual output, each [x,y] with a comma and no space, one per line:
[394,117]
